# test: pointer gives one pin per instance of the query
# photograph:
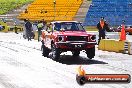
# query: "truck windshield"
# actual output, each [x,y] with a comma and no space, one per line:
[69,26]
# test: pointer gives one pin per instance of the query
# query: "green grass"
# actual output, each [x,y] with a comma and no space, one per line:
[8,5]
[91,28]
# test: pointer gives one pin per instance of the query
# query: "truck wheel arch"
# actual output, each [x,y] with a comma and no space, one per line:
[52,42]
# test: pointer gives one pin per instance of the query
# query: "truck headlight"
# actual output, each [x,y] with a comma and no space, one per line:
[60,38]
[93,37]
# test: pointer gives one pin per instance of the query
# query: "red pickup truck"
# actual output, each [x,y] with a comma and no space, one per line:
[67,36]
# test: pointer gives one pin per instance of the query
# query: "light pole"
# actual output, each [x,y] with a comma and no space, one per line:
[54,8]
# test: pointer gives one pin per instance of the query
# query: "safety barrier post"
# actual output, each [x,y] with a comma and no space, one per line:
[125,47]
[130,48]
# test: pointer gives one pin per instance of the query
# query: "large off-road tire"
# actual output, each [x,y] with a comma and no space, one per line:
[55,52]
[90,52]
[45,51]
[75,53]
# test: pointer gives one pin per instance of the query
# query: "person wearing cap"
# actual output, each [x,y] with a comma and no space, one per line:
[102,26]
[28,27]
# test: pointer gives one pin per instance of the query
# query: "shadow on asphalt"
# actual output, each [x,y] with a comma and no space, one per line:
[70,60]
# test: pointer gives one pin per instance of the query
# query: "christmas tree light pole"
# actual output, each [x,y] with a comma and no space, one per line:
[54,8]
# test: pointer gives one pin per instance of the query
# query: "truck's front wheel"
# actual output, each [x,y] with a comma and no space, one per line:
[45,51]
[90,52]
[55,52]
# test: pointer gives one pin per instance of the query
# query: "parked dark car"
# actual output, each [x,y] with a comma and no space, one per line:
[128,29]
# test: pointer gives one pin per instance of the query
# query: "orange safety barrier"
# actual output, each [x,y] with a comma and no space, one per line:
[123,34]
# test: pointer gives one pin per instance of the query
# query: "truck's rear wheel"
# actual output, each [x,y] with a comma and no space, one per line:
[75,53]
[90,52]
[55,52]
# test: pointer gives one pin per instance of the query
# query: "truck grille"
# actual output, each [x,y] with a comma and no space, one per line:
[77,38]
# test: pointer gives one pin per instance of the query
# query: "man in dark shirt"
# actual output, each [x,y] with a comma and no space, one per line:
[28,27]
[102,27]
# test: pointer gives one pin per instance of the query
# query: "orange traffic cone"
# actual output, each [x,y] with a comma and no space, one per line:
[123,33]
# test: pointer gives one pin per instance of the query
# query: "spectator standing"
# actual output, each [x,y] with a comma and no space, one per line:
[40,27]
[34,25]
[28,27]
[102,26]
[15,27]
[44,24]
[26,11]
